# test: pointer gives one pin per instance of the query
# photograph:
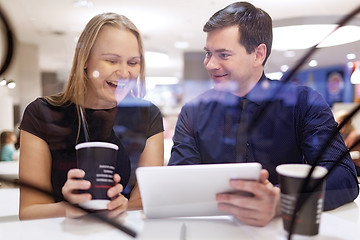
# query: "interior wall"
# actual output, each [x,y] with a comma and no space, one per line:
[25,72]
[196,79]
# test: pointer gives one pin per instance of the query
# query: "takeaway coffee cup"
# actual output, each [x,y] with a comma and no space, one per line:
[98,160]
[291,177]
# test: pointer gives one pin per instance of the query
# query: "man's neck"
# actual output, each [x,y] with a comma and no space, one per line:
[247,86]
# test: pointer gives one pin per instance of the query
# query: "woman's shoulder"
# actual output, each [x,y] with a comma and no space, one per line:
[43,119]
[40,110]
[41,103]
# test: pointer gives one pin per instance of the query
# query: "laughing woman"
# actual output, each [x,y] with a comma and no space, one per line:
[106,84]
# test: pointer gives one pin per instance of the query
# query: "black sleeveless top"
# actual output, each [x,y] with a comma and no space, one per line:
[58,127]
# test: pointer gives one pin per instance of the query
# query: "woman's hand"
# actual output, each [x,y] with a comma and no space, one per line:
[70,189]
[118,203]
[75,182]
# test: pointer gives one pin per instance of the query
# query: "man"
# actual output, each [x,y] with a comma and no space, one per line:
[285,123]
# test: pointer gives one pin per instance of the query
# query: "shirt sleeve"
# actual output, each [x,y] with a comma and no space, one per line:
[156,121]
[31,121]
[185,149]
[323,145]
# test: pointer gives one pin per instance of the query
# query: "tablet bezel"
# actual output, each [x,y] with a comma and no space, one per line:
[189,190]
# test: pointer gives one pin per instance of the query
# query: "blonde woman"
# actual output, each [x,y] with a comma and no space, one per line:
[106,83]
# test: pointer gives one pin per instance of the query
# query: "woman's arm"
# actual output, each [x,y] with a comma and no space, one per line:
[152,155]
[35,169]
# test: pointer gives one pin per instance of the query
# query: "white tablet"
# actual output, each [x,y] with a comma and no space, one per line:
[189,190]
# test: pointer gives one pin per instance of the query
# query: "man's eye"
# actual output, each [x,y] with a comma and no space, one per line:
[224,55]
[207,54]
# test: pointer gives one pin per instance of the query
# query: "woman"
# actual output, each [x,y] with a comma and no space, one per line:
[106,76]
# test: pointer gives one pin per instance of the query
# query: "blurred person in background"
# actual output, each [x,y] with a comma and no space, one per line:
[8,150]
[106,84]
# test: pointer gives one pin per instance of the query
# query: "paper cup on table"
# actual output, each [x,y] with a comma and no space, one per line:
[98,160]
[291,177]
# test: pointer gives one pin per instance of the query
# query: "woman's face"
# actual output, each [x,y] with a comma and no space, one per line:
[112,67]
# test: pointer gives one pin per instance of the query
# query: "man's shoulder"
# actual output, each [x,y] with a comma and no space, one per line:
[275,89]
[213,96]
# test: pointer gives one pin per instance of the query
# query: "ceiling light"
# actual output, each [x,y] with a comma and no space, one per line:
[284,68]
[3,82]
[11,84]
[306,36]
[350,65]
[350,56]
[82,3]
[313,63]
[355,76]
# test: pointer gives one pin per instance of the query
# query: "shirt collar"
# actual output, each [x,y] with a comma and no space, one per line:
[260,91]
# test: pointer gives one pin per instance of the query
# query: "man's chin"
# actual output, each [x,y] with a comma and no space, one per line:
[226,87]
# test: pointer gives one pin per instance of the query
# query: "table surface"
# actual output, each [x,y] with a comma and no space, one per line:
[9,169]
[341,223]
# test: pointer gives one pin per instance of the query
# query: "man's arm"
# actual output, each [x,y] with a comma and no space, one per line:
[185,149]
[319,125]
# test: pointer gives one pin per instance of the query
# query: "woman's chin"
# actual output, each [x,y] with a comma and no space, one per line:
[121,94]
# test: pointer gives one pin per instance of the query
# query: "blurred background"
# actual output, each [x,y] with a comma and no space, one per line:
[46,32]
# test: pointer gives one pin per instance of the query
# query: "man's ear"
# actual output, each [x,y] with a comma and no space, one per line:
[260,54]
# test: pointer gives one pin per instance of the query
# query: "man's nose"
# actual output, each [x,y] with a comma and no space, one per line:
[211,63]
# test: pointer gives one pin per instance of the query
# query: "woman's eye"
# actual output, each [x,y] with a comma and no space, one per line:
[133,63]
[111,61]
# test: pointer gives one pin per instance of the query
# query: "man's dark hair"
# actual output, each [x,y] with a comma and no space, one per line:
[255,25]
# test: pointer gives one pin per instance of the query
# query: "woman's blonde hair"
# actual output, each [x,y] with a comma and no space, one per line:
[75,89]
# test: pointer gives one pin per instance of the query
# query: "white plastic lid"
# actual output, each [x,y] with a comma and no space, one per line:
[96,144]
[300,170]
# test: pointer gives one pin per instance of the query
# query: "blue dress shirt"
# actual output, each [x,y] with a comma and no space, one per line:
[288,124]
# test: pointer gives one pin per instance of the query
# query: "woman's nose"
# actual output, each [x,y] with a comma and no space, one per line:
[122,72]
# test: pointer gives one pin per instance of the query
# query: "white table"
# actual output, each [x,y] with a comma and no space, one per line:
[9,204]
[341,223]
[9,169]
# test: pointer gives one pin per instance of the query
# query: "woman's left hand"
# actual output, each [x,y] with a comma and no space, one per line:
[118,203]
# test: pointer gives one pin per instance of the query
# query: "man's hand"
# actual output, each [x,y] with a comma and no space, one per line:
[259,208]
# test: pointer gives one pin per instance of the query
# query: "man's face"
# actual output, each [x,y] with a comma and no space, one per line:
[229,65]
